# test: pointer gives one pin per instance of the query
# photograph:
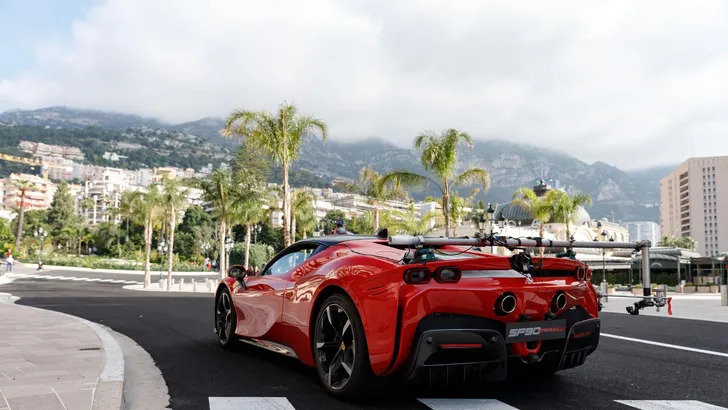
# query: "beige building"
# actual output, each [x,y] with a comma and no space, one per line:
[694,202]
[40,197]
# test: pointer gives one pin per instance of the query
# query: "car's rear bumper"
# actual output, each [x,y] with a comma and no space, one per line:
[445,354]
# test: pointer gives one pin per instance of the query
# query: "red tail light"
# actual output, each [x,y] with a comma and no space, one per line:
[581,273]
[447,275]
[416,276]
[588,274]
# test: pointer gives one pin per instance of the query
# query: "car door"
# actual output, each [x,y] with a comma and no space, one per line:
[260,299]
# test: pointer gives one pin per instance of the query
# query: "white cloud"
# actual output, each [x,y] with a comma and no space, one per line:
[629,83]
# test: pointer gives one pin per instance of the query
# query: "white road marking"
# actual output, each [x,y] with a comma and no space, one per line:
[669,404]
[250,403]
[466,404]
[649,342]
[73,278]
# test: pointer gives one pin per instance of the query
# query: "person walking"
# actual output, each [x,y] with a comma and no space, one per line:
[9,263]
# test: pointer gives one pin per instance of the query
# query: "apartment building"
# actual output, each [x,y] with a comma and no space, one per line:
[694,202]
[38,198]
[643,231]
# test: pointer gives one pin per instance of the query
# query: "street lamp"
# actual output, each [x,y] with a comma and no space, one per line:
[41,234]
[256,230]
[604,258]
[501,220]
[162,248]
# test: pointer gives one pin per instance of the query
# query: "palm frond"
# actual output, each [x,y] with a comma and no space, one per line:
[474,175]
[406,178]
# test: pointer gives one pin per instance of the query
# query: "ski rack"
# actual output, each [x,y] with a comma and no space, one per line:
[482,240]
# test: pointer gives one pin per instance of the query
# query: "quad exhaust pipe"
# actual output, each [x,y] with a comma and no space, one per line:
[558,303]
[505,304]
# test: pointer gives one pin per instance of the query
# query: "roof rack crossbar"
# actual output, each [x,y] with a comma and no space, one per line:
[512,243]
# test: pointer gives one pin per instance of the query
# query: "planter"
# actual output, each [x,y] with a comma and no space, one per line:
[714,289]
[637,291]
[610,291]
[703,289]
[688,289]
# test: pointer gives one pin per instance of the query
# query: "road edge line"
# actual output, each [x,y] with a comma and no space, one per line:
[109,392]
[667,345]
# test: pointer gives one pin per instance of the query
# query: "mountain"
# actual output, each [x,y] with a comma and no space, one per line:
[628,195]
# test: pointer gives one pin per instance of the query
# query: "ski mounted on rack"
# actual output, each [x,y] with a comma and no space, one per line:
[522,262]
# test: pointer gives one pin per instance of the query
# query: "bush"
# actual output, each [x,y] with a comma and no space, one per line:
[95,262]
[260,254]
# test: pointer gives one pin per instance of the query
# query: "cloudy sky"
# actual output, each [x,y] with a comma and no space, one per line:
[630,83]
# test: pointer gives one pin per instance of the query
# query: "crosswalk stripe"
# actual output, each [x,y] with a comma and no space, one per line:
[669,405]
[466,404]
[250,403]
[73,278]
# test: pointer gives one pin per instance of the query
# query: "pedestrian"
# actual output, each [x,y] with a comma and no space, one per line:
[10,261]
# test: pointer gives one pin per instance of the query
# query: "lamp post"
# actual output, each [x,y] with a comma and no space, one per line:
[491,219]
[162,248]
[41,234]
[256,230]
[604,258]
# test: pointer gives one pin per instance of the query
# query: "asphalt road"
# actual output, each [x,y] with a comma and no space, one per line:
[154,275]
[177,332]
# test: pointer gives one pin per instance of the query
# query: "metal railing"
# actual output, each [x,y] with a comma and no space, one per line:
[484,240]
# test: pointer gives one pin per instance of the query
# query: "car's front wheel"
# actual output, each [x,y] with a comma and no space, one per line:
[340,349]
[225,319]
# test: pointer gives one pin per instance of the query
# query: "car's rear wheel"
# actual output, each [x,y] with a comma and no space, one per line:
[340,349]
[225,319]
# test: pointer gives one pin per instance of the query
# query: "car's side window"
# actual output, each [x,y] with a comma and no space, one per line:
[291,260]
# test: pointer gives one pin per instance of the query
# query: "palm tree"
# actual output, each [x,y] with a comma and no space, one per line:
[439,157]
[174,198]
[148,210]
[23,186]
[567,207]
[457,206]
[248,212]
[280,135]
[217,191]
[409,223]
[540,208]
[376,193]
[302,209]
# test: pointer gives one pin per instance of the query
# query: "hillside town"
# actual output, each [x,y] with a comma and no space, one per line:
[97,192]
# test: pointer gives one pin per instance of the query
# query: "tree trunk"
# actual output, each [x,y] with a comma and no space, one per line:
[223,274]
[21,216]
[147,252]
[446,213]
[293,217]
[247,245]
[286,208]
[170,254]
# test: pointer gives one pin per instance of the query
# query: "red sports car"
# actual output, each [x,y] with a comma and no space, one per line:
[362,310]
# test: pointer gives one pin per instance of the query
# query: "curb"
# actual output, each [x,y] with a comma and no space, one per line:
[109,394]
[124,271]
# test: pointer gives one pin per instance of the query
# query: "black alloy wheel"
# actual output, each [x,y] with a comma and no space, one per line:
[225,319]
[340,350]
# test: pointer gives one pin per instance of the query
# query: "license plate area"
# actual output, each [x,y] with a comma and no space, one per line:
[534,331]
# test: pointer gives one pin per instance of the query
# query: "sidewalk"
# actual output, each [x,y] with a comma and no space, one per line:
[693,307]
[53,361]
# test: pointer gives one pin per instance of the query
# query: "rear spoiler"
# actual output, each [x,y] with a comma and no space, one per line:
[483,240]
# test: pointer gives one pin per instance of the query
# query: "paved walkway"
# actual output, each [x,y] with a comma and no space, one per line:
[683,307]
[51,361]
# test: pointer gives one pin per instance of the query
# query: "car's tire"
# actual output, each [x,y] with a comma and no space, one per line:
[340,350]
[225,319]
